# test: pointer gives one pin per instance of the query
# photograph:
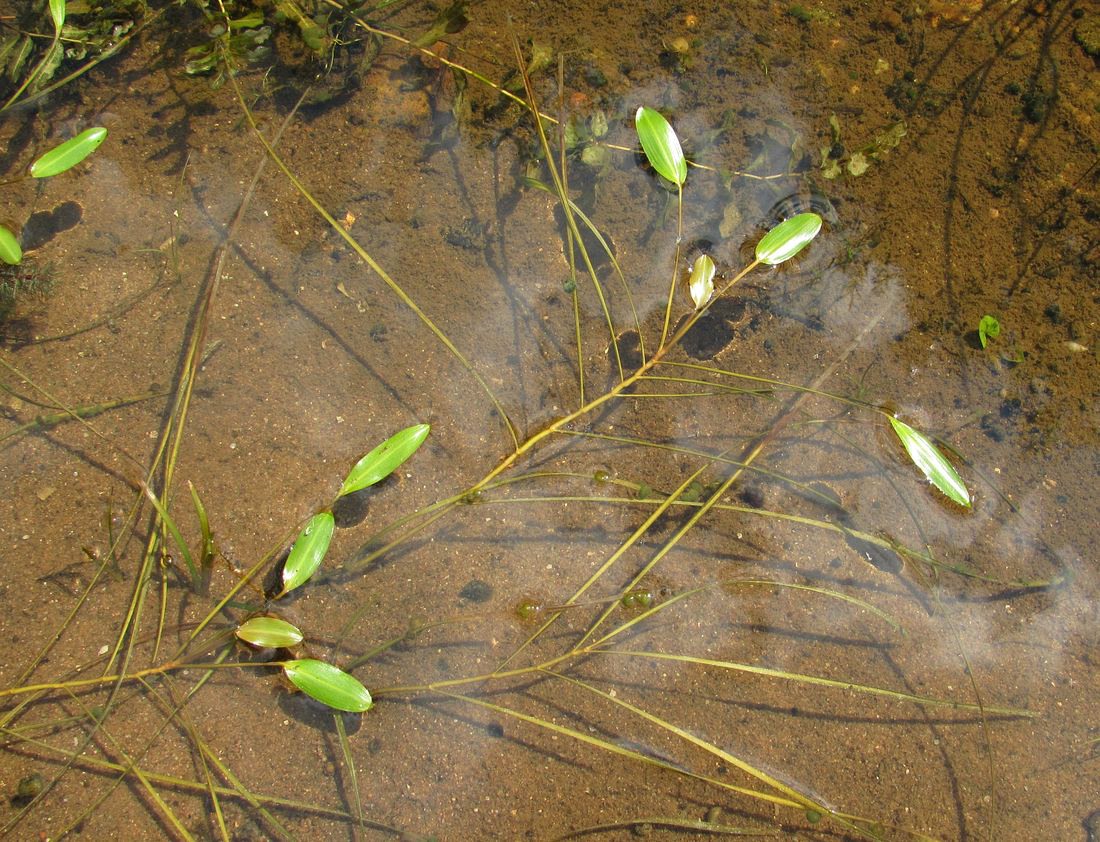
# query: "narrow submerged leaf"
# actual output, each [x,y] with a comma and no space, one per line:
[932,463]
[308,551]
[660,144]
[788,238]
[385,459]
[269,632]
[206,557]
[701,282]
[10,250]
[68,154]
[328,684]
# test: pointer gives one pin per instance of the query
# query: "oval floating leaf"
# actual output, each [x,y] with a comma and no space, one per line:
[328,684]
[269,632]
[10,250]
[385,459]
[788,238]
[660,144]
[933,464]
[308,551]
[68,154]
[701,282]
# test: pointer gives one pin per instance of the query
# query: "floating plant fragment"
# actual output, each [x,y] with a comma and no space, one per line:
[68,154]
[10,251]
[269,633]
[385,459]
[328,684]
[701,281]
[308,551]
[933,464]
[788,238]
[661,146]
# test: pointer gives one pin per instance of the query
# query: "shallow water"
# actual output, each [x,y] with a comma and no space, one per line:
[986,205]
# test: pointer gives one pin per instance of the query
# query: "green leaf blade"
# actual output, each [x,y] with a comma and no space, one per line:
[308,551]
[385,459]
[329,685]
[788,238]
[933,464]
[57,13]
[701,280]
[269,633]
[10,250]
[660,144]
[988,328]
[67,155]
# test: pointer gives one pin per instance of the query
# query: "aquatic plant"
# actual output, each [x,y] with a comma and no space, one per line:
[988,329]
[19,278]
[57,160]
[575,640]
[83,35]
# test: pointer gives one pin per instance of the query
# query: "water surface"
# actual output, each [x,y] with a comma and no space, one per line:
[953,149]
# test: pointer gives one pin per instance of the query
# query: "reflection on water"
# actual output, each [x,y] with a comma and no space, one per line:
[742,606]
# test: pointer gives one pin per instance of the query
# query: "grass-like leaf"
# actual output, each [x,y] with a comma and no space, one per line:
[174,531]
[661,146]
[308,551]
[932,463]
[269,632]
[803,678]
[10,250]
[329,685]
[788,238]
[385,459]
[68,154]
[206,558]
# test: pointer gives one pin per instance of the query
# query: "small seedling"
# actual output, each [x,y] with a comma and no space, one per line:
[836,160]
[988,329]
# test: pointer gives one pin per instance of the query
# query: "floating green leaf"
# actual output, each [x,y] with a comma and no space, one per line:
[68,154]
[308,551]
[988,328]
[10,251]
[933,464]
[328,684]
[701,281]
[385,459]
[788,238]
[661,146]
[269,632]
